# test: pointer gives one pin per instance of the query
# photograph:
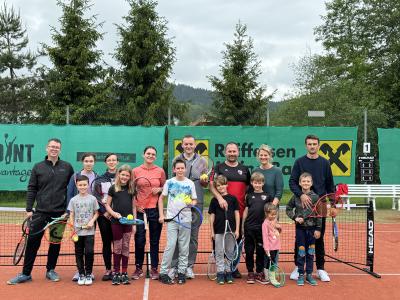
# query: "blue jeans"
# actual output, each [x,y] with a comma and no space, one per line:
[305,243]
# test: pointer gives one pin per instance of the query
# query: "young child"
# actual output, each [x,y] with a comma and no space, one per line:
[120,204]
[83,210]
[271,230]
[176,189]
[307,230]
[253,218]
[217,224]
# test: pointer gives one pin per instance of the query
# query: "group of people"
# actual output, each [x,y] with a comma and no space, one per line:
[250,202]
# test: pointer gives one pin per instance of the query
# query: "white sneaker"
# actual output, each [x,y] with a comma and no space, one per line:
[172,273]
[323,275]
[189,273]
[88,280]
[76,276]
[295,274]
[82,279]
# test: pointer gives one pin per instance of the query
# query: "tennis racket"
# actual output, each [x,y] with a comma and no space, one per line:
[335,235]
[197,217]
[21,245]
[142,190]
[275,274]
[126,221]
[101,185]
[211,264]
[240,253]
[201,169]
[60,232]
[229,243]
[52,223]
[329,205]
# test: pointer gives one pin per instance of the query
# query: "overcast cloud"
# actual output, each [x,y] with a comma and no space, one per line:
[282,32]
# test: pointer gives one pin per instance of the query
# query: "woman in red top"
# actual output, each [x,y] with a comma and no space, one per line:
[148,207]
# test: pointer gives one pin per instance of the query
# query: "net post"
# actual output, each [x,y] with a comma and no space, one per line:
[370,241]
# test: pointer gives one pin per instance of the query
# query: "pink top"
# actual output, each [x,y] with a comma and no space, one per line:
[270,234]
[156,175]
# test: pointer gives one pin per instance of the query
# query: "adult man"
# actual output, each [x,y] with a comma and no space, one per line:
[238,177]
[48,187]
[323,184]
[195,166]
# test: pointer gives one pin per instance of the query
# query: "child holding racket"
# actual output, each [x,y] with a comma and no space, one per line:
[83,210]
[308,229]
[120,204]
[181,192]
[217,225]
[253,218]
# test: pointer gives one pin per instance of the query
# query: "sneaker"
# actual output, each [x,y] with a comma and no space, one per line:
[116,280]
[89,279]
[300,280]
[125,278]
[137,274]
[260,278]
[154,274]
[323,275]
[189,273]
[229,277]
[295,274]
[181,278]
[236,274]
[164,278]
[220,278]
[251,278]
[20,278]
[92,275]
[76,276]
[310,280]
[173,273]
[107,276]
[52,275]
[81,279]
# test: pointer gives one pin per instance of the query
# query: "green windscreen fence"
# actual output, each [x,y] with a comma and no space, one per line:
[21,146]
[389,159]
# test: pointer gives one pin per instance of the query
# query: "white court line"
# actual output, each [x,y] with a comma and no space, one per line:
[146,289]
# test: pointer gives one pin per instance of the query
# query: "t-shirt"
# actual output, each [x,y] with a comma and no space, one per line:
[176,190]
[273,185]
[121,201]
[238,180]
[255,203]
[84,208]
[219,221]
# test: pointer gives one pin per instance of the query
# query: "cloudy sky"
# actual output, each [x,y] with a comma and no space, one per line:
[282,32]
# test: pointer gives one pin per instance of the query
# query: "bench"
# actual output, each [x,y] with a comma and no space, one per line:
[373,191]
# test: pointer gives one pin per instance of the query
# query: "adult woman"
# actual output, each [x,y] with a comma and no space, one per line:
[148,206]
[273,185]
[100,191]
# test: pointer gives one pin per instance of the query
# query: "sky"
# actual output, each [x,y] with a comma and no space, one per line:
[282,32]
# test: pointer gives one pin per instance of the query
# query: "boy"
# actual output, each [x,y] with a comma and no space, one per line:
[307,229]
[83,213]
[217,224]
[253,218]
[176,189]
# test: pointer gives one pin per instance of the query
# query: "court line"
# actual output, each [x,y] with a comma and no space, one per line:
[146,289]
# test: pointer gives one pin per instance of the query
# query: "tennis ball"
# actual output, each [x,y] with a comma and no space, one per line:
[129,217]
[204,177]
[187,199]
[75,238]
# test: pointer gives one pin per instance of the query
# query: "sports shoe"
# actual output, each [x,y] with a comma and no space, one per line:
[300,280]
[310,279]
[189,273]
[295,274]
[88,280]
[76,276]
[116,280]
[154,274]
[220,278]
[251,278]
[107,276]
[164,278]
[229,277]
[236,274]
[137,274]
[81,279]
[125,278]
[52,275]
[260,278]
[181,278]
[173,273]
[20,278]
[323,275]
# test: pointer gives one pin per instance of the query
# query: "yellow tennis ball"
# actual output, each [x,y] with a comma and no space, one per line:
[204,177]
[187,199]
[75,238]
[129,217]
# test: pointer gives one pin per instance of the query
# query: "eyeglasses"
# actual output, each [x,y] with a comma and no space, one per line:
[54,147]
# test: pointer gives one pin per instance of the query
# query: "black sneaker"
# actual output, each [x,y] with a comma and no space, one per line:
[107,276]
[125,278]
[116,280]
[164,278]
[181,278]
[236,274]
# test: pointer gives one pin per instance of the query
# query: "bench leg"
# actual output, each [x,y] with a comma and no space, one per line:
[398,204]
[373,202]
[348,203]
[394,204]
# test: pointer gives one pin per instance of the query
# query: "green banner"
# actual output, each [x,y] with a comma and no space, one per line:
[21,146]
[338,145]
[389,161]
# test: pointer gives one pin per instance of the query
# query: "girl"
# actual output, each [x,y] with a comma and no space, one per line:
[100,191]
[148,206]
[271,230]
[120,204]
